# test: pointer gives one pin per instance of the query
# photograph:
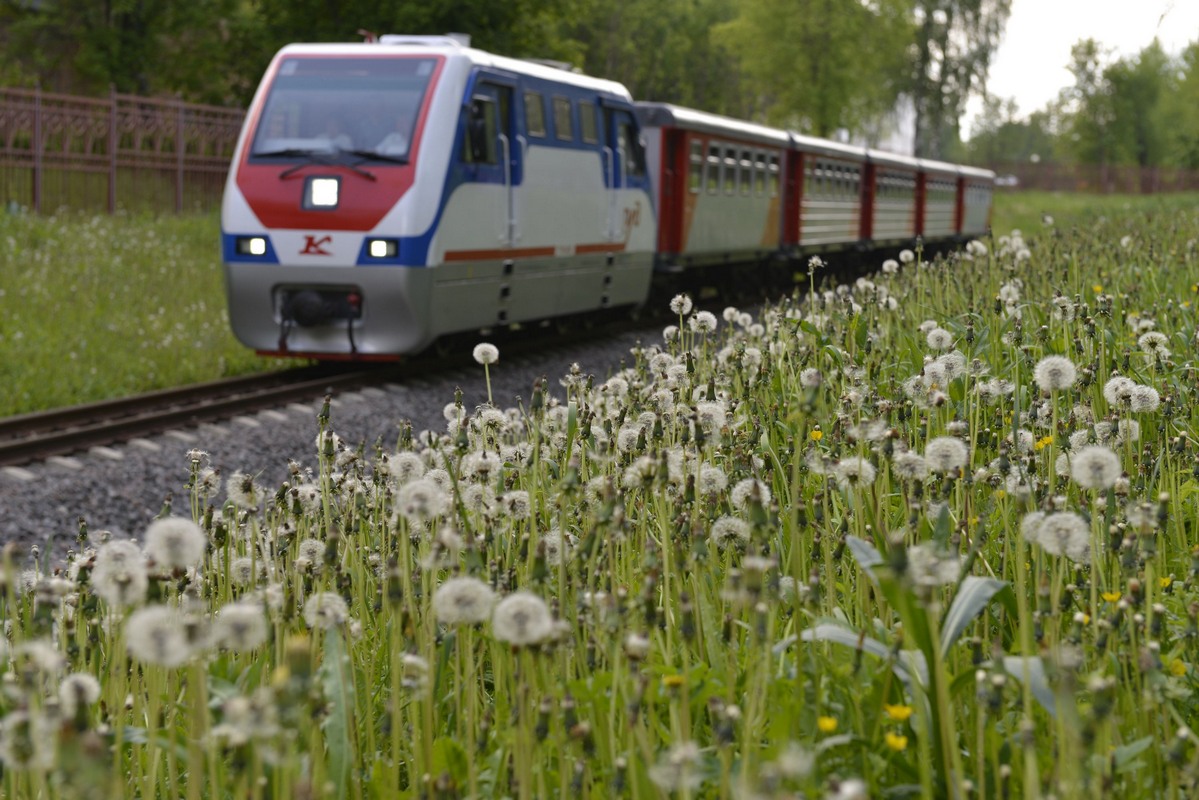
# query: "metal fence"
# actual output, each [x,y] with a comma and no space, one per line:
[1098,179]
[125,151]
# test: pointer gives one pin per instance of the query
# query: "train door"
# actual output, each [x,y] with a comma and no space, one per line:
[624,168]
[492,151]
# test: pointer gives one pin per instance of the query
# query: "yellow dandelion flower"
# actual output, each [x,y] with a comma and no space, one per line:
[1165,582]
[1044,442]
[896,741]
[1178,667]
[1110,597]
[672,681]
[898,713]
[1086,619]
[816,435]
[826,724]
[1097,288]
[1000,493]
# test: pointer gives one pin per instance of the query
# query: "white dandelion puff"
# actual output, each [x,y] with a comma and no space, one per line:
[1095,467]
[1055,373]
[463,601]
[522,619]
[175,543]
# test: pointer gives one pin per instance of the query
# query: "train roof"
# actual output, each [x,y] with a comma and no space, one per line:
[827,147]
[892,159]
[453,49]
[662,115]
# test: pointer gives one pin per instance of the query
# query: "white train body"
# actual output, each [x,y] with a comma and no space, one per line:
[492,214]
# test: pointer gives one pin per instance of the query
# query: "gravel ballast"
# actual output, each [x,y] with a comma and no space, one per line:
[122,488]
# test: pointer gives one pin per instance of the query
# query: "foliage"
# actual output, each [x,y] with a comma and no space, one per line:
[840,66]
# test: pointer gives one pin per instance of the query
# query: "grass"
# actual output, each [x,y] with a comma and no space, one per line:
[95,307]
[906,538]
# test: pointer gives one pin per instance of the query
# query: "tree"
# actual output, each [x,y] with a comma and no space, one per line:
[955,42]
[820,65]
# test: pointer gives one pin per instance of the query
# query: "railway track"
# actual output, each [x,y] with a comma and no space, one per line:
[35,437]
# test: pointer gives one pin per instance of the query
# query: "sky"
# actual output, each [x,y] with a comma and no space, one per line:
[1031,62]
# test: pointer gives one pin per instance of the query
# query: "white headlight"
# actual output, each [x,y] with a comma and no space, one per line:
[378,248]
[257,246]
[323,192]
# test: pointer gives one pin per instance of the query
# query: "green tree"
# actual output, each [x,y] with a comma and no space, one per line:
[1181,112]
[954,44]
[820,65]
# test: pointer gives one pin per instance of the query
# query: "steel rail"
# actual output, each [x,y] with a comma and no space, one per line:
[33,437]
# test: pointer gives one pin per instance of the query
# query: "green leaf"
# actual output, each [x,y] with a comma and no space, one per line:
[1127,754]
[1038,682]
[450,756]
[339,690]
[973,596]
[865,554]
[907,663]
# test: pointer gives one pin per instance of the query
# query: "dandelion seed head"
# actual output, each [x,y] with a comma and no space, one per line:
[78,690]
[929,567]
[1118,390]
[810,378]
[945,453]
[729,532]
[744,490]
[854,472]
[326,610]
[680,304]
[1144,399]
[486,353]
[463,601]
[522,619]
[703,322]
[240,627]
[119,576]
[939,339]
[422,499]
[175,543]
[909,466]
[1055,373]
[1095,467]
[156,635]
[406,467]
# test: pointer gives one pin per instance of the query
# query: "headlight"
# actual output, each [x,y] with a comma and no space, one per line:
[251,245]
[382,248]
[322,193]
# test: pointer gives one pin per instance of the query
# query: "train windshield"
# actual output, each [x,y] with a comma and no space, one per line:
[363,106]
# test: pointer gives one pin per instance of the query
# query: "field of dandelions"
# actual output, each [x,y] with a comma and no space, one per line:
[933,533]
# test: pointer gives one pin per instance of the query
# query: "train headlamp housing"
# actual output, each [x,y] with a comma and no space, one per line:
[382,248]
[251,245]
[322,193]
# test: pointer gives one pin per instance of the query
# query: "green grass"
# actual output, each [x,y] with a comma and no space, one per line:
[95,307]
[846,545]
[1025,211]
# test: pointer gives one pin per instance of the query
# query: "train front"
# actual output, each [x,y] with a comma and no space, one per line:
[324,220]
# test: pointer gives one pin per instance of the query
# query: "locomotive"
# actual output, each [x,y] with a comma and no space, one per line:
[387,193]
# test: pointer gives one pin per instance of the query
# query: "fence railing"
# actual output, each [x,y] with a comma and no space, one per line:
[122,151]
[1099,179]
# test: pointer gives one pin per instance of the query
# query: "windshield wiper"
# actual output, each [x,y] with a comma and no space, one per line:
[317,157]
[371,155]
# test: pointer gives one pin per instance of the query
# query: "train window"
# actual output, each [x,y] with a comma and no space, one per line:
[760,173]
[730,171]
[774,176]
[535,113]
[588,124]
[747,172]
[480,143]
[630,149]
[695,177]
[713,168]
[563,120]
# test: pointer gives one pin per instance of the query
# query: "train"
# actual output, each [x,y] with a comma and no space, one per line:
[384,195]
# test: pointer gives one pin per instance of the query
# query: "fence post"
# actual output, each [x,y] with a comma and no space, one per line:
[37,149]
[180,145]
[112,148]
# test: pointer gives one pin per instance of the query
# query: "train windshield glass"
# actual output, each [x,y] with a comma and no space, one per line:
[364,106]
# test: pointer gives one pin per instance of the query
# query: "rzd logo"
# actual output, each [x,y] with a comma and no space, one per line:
[316,247]
[632,219]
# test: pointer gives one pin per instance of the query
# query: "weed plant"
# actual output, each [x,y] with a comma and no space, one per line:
[932,534]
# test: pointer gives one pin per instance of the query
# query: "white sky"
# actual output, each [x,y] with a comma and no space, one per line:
[1035,50]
